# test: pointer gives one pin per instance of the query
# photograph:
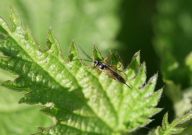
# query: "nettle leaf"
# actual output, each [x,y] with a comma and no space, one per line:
[185,103]
[173,29]
[173,128]
[14,117]
[82,99]
[70,20]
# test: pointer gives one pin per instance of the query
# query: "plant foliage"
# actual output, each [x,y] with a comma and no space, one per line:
[82,99]
[14,117]
[175,127]
[173,45]
[70,20]
[173,29]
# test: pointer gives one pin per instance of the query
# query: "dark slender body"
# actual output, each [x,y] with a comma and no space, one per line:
[112,72]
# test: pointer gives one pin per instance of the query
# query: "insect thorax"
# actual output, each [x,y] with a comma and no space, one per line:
[100,65]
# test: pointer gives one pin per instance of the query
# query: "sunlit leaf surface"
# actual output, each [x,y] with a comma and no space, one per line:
[83,100]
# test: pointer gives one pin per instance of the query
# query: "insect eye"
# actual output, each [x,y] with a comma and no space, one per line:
[101,66]
[95,62]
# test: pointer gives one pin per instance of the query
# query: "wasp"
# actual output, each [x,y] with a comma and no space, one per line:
[111,72]
[107,68]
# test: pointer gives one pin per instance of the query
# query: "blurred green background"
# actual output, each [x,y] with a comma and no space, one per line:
[161,29]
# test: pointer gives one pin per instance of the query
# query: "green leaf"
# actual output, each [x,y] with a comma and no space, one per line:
[14,117]
[181,98]
[185,103]
[83,100]
[173,128]
[97,54]
[173,91]
[173,29]
[86,22]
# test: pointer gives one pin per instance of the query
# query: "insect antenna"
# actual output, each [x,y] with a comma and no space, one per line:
[128,86]
[85,60]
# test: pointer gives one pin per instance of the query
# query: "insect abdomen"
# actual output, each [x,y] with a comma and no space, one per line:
[118,77]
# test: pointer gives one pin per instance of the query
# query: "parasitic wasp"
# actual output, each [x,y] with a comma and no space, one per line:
[102,65]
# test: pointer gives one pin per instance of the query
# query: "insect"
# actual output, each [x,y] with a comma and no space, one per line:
[112,72]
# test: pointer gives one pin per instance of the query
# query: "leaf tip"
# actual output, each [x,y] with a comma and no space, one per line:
[153,79]
[97,54]
[73,53]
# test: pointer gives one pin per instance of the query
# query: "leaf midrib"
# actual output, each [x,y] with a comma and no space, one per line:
[34,60]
